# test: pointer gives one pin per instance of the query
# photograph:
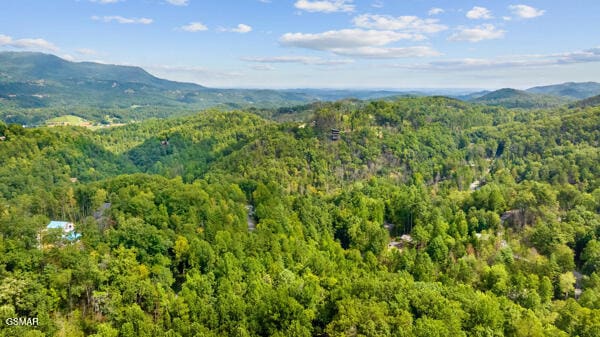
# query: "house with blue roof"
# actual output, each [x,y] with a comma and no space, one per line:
[67,228]
[64,225]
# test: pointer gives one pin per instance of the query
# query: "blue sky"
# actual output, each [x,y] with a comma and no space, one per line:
[395,44]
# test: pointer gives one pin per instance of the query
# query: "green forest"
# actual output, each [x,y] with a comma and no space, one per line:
[427,217]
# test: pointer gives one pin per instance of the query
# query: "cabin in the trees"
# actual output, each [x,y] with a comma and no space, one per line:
[335,134]
[68,229]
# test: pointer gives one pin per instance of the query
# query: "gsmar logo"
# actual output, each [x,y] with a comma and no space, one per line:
[33,321]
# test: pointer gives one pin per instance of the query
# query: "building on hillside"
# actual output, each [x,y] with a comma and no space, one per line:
[64,225]
[67,228]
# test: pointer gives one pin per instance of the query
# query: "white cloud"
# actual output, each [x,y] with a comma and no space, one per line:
[5,40]
[123,20]
[241,28]
[479,13]
[526,12]
[364,52]
[194,27]
[345,38]
[584,56]
[480,64]
[178,2]
[34,44]
[478,33]
[308,60]
[67,57]
[86,51]
[192,73]
[359,43]
[405,23]
[514,61]
[387,52]
[435,11]
[325,6]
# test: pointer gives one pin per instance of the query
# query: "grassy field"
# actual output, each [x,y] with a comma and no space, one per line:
[71,120]
[66,120]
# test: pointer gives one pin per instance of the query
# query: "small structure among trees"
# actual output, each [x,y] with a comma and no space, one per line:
[67,228]
[335,134]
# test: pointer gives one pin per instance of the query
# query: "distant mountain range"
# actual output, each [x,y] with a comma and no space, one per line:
[569,90]
[35,87]
[536,97]
[32,81]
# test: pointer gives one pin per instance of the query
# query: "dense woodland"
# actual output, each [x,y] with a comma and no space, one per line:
[428,217]
[512,98]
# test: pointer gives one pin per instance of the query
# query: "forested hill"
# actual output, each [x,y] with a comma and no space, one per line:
[427,217]
[36,67]
[592,101]
[513,98]
[570,90]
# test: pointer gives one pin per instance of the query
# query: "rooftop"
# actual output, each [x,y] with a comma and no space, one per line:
[57,224]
